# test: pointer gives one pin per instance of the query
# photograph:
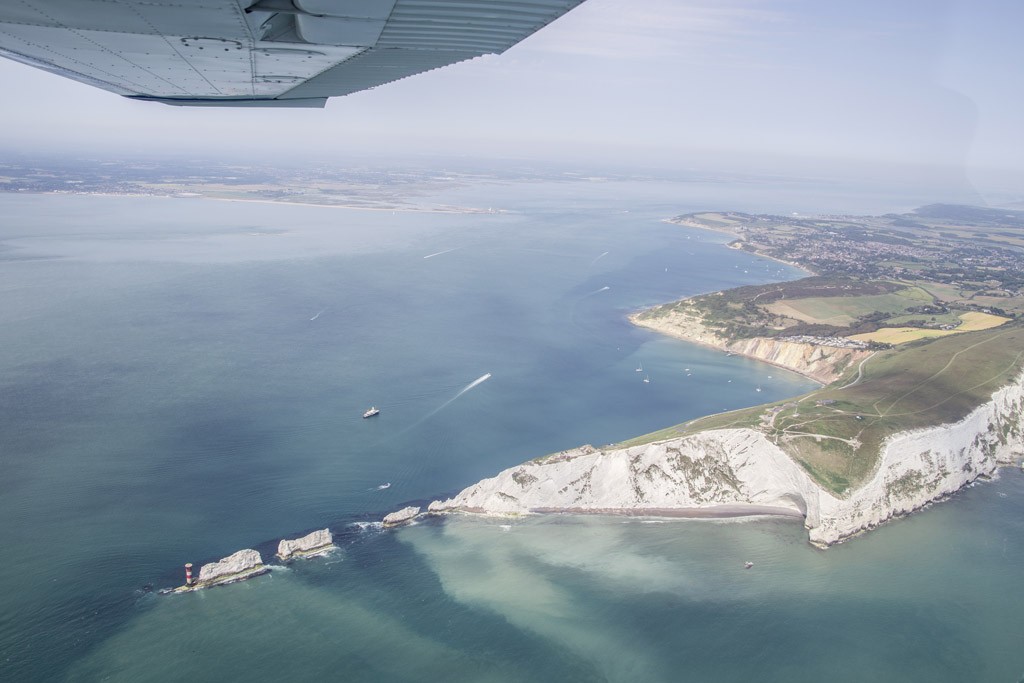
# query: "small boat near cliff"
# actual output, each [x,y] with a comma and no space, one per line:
[371,412]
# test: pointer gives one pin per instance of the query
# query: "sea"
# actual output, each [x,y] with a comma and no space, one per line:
[184,378]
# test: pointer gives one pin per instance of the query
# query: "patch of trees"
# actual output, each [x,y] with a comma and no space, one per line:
[928,310]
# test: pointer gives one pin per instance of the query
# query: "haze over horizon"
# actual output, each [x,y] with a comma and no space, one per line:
[741,83]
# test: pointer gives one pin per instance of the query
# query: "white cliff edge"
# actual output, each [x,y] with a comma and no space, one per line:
[739,471]
[313,544]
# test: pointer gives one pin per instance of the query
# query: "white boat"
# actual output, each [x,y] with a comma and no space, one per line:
[372,411]
[640,367]
[647,379]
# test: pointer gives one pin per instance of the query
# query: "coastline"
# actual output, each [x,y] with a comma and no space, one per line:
[818,363]
[739,469]
[694,331]
[349,207]
[738,236]
[722,472]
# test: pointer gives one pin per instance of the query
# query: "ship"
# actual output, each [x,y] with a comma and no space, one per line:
[371,412]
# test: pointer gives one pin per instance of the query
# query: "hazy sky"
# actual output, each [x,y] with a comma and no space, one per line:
[926,81]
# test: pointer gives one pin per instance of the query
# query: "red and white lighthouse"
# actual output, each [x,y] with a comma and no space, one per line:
[188,574]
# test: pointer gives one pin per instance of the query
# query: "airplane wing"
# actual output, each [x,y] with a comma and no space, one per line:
[292,53]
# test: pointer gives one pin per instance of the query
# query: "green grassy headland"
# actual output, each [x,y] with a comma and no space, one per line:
[836,432]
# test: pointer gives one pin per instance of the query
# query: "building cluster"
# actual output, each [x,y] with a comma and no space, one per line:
[837,342]
[856,249]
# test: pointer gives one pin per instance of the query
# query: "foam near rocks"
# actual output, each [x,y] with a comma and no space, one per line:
[403,516]
[238,566]
[312,544]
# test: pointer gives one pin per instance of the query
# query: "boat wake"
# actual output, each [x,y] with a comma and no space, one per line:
[446,251]
[475,383]
[597,291]
[385,485]
[318,315]
[599,258]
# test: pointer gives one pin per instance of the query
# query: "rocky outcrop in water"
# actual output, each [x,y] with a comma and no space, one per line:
[403,516]
[310,545]
[239,566]
[737,469]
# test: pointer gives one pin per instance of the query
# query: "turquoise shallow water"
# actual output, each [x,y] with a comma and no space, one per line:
[931,598]
[182,378]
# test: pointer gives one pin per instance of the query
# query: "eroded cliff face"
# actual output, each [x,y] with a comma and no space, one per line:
[741,467]
[824,364]
[726,467]
[925,465]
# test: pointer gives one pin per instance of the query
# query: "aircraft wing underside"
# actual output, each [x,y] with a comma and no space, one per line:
[294,53]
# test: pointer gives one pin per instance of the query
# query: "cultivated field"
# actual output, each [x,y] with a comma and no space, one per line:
[971,321]
[976,320]
[844,310]
[901,335]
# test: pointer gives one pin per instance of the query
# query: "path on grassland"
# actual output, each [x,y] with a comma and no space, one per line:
[949,364]
[860,372]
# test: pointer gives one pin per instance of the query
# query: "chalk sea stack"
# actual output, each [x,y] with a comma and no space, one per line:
[310,545]
[239,566]
[403,516]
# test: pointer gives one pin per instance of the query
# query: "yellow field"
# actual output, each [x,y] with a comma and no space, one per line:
[901,335]
[972,322]
[976,320]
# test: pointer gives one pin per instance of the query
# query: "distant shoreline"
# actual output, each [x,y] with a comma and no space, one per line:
[395,209]
[350,207]
[737,236]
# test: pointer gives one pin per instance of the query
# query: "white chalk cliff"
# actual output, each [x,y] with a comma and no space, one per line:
[727,468]
[311,544]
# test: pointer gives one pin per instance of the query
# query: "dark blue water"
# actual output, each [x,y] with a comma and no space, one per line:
[183,378]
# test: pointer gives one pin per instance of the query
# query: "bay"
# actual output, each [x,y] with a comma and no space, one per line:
[183,378]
